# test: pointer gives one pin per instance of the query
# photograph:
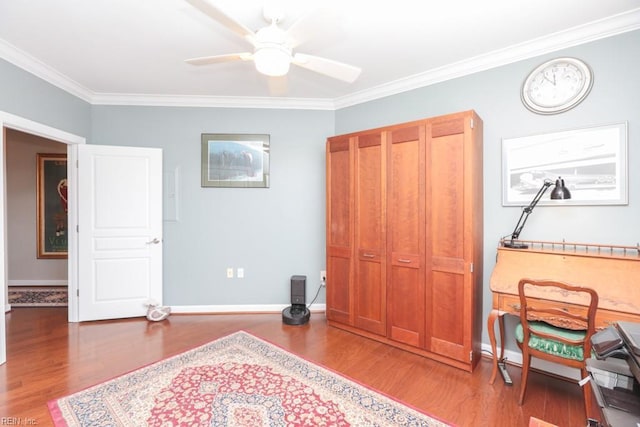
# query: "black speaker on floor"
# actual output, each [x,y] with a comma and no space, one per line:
[297,313]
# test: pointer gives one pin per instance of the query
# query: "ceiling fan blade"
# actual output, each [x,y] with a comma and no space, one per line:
[337,70]
[219,16]
[206,60]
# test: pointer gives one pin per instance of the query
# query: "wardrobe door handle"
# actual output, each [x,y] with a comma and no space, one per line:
[404,260]
[368,255]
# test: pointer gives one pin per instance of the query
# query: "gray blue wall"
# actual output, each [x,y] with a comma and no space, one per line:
[278,232]
[22,94]
[273,233]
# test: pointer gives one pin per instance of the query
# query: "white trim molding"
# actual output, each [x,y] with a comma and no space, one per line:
[23,124]
[246,309]
[39,69]
[212,101]
[37,283]
[603,28]
[608,27]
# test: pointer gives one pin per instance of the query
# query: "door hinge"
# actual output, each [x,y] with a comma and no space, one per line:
[77,164]
[77,292]
[471,356]
[77,228]
[471,267]
[471,123]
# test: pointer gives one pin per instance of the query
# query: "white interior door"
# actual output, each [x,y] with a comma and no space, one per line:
[119,231]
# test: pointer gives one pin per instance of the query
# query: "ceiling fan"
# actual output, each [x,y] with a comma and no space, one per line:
[273,47]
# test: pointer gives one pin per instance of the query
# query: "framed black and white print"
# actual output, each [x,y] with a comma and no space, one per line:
[592,162]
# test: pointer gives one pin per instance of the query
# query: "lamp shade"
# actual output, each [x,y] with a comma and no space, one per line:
[560,192]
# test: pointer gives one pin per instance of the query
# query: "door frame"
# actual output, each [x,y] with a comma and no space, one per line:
[23,124]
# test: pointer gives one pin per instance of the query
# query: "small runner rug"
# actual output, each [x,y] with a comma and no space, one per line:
[37,296]
[238,380]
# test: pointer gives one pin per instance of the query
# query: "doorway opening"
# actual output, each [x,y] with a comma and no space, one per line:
[9,121]
[36,221]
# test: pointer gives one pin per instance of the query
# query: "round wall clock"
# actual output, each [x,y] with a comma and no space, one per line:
[557,85]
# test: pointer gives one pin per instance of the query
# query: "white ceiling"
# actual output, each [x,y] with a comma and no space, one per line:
[133,51]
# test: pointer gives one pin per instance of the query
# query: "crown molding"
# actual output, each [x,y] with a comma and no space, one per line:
[23,60]
[607,27]
[212,101]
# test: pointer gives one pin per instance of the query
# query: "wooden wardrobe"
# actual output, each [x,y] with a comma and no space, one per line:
[404,236]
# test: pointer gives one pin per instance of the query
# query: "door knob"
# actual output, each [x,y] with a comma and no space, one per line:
[155,241]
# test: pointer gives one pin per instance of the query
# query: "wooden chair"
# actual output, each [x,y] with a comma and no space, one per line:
[560,335]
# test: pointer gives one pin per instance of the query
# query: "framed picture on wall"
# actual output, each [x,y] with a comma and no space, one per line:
[592,162]
[235,160]
[51,193]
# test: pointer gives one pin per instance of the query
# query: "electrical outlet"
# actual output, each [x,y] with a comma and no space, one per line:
[229,273]
[240,273]
[323,278]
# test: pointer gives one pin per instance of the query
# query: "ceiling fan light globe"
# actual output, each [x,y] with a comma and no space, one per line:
[272,60]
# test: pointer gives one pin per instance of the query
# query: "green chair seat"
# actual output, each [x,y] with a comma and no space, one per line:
[551,346]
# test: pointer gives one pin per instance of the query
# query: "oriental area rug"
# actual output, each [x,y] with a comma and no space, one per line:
[237,380]
[37,296]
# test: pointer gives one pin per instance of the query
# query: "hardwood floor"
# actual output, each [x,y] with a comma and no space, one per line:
[49,358]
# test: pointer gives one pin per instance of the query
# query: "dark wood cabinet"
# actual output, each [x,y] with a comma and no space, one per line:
[404,236]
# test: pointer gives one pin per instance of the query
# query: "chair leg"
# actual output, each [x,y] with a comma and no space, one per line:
[526,361]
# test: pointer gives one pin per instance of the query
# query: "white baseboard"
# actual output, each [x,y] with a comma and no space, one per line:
[515,358]
[38,282]
[257,308]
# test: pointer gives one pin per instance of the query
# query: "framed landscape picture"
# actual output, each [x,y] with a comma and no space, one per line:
[235,160]
[51,193]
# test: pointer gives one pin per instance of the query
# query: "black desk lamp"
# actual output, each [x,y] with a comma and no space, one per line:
[559,192]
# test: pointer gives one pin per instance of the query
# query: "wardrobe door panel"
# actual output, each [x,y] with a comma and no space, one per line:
[369,283]
[406,214]
[339,234]
[447,302]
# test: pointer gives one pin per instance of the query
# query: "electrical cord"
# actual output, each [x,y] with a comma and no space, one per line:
[316,297]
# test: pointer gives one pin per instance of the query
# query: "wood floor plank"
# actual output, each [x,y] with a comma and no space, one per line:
[50,358]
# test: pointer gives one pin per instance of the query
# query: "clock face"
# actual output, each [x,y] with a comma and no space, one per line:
[557,85]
